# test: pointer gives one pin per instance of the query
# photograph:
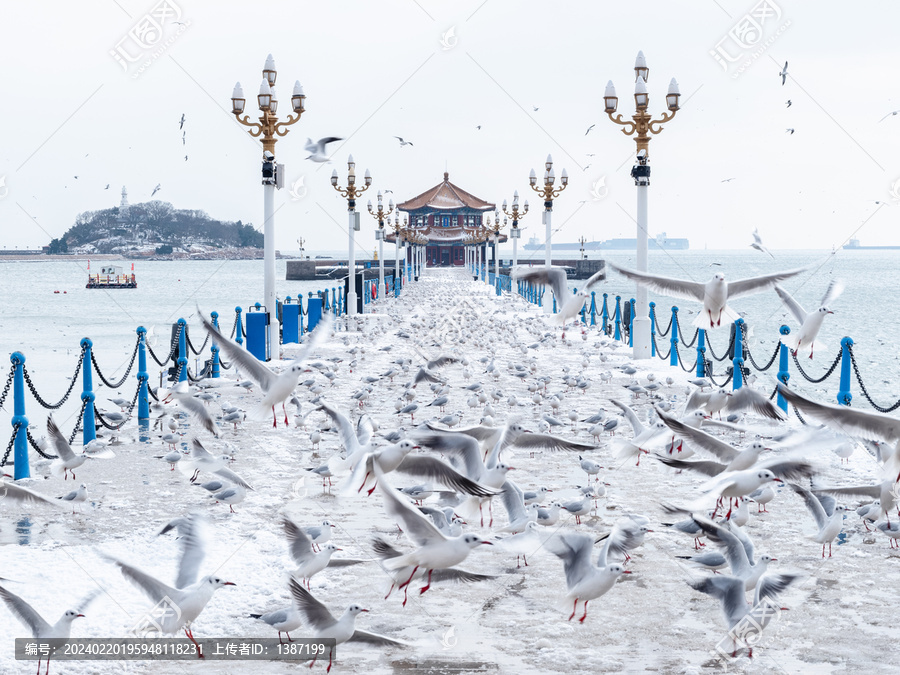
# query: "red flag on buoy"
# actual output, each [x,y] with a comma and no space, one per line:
[132,267]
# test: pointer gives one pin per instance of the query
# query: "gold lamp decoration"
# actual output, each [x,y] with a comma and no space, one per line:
[641,124]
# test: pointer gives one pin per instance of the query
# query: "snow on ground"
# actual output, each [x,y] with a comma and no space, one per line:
[841,616]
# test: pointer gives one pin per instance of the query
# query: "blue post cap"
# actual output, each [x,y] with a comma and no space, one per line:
[19,419]
[86,342]
[785,330]
[238,310]
[618,297]
[846,398]
[847,342]
[606,295]
[87,396]
[258,306]
[652,305]
[632,301]
[739,361]
[182,360]
[674,308]
[574,291]
[287,299]
[310,294]
[214,315]
[181,322]
[740,321]
[17,358]
[141,330]
[593,293]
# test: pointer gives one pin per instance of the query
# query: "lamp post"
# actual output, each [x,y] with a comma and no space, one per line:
[398,239]
[581,241]
[641,126]
[300,243]
[548,193]
[514,231]
[495,233]
[380,214]
[351,192]
[272,175]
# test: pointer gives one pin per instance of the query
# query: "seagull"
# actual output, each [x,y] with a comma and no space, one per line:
[810,322]
[40,629]
[317,150]
[435,550]
[729,590]
[589,129]
[790,130]
[310,563]
[584,580]
[728,180]
[569,305]
[202,460]
[189,596]
[326,626]
[535,108]
[714,294]
[788,103]
[282,620]
[402,142]
[758,245]
[181,123]
[277,388]
[738,550]
[478,127]
[76,496]
[893,112]
[784,73]
[829,515]
[67,461]
[21,495]
[156,189]
[198,410]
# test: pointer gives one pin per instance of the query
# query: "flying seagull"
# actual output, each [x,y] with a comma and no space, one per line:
[402,142]
[535,108]
[893,112]
[156,189]
[589,129]
[810,322]
[728,180]
[569,304]
[317,150]
[790,130]
[789,103]
[784,73]
[758,245]
[181,123]
[478,127]
[714,294]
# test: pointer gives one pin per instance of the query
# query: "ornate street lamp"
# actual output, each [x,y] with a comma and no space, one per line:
[514,231]
[548,193]
[380,214]
[351,192]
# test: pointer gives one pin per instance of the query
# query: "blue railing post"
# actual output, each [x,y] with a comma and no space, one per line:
[652,329]
[844,396]
[88,420]
[631,323]
[673,338]
[701,353]
[593,308]
[498,281]
[143,400]
[554,304]
[617,319]
[238,329]
[182,350]
[214,348]
[783,374]
[604,314]
[737,362]
[21,443]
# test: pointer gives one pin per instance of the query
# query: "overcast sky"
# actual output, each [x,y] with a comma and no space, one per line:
[432,72]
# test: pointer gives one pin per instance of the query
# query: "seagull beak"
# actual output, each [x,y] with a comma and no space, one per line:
[829,312]
[79,615]
[339,549]
[415,447]
[626,572]
[331,525]
[778,480]
[511,468]
[774,559]
[229,583]
[363,610]
[489,543]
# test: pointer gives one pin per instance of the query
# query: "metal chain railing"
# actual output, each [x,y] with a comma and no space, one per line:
[37,448]
[687,369]
[77,422]
[174,346]
[727,349]
[191,344]
[116,385]
[9,379]
[683,341]
[709,374]
[865,392]
[660,331]
[12,440]
[116,427]
[797,413]
[771,361]
[656,347]
[37,397]
[816,380]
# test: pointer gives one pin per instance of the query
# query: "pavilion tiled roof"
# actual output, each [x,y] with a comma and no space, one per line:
[446,196]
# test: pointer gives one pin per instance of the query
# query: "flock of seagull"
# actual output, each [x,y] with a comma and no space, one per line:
[439,482]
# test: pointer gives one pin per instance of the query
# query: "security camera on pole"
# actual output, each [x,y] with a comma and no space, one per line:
[351,193]
[272,174]
[548,193]
[641,127]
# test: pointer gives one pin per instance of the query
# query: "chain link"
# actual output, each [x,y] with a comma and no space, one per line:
[690,369]
[728,349]
[37,397]
[710,376]
[77,422]
[9,379]
[174,346]
[12,441]
[191,345]
[769,364]
[116,385]
[656,347]
[660,331]
[116,427]
[37,448]
[837,359]
[865,392]
[693,340]
[797,413]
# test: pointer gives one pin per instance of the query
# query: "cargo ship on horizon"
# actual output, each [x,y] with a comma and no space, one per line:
[658,243]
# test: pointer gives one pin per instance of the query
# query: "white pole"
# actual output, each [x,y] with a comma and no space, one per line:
[351,267]
[396,262]
[380,263]
[496,259]
[641,326]
[548,248]
[515,252]
[269,269]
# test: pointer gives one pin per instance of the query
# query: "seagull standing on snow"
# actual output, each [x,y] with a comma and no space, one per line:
[714,294]
[829,516]
[317,150]
[810,322]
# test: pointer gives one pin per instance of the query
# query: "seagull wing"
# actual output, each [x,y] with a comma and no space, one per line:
[709,443]
[529,441]
[325,141]
[193,550]
[153,588]
[198,410]
[458,576]
[513,501]
[734,549]
[729,591]
[252,366]
[636,425]
[789,469]
[747,398]
[299,545]
[812,503]
[458,445]
[25,612]
[22,495]
[868,425]
[677,288]
[60,444]
[232,476]
[553,277]
[417,527]
[707,467]
[696,400]
[315,613]
[345,430]
[575,552]
[754,284]
[313,340]
[441,361]
[373,638]
[873,491]
[834,290]
[364,429]
[793,306]
[594,279]
[771,585]
[478,433]
[439,471]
